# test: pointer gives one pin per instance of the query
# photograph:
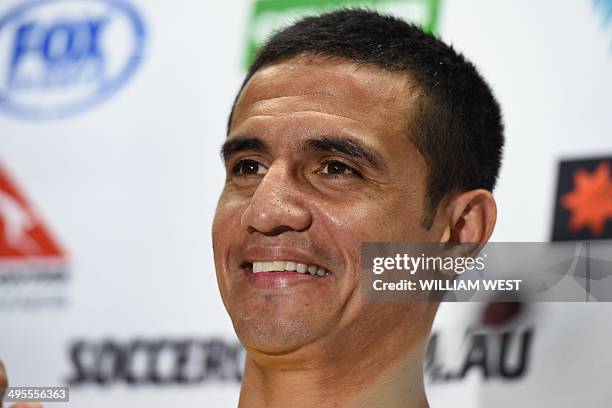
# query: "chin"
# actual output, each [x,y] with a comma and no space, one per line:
[275,336]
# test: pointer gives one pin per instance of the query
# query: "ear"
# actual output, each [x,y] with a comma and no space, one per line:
[471,217]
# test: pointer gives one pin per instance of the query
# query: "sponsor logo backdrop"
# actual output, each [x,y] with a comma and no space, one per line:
[111,115]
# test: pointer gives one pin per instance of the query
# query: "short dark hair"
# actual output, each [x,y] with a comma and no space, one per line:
[456,125]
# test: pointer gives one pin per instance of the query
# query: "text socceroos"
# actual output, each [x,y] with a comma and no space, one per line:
[449,285]
[411,264]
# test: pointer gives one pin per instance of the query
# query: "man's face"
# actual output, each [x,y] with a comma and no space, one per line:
[318,161]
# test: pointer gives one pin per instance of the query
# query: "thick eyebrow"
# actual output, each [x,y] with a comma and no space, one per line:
[239,144]
[347,146]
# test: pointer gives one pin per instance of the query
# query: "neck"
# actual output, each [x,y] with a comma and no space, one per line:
[381,377]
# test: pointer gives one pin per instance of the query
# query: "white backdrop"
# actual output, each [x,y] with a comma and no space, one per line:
[129,188]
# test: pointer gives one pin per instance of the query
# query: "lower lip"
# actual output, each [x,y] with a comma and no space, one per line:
[270,280]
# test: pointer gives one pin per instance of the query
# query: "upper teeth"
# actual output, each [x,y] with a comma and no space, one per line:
[280,266]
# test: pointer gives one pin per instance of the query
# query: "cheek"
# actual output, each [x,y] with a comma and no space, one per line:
[226,230]
[228,215]
[350,225]
[387,219]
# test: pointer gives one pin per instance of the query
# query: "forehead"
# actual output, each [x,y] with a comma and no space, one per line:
[330,92]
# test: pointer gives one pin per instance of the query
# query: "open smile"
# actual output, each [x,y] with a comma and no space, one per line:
[286,266]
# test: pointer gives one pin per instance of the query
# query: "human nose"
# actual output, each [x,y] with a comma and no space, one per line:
[277,205]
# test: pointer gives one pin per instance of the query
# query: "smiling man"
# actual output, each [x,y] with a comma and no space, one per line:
[350,127]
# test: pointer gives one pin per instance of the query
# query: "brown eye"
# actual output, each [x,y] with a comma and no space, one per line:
[336,168]
[249,168]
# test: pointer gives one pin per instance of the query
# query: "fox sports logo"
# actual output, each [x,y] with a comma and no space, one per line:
[62,57]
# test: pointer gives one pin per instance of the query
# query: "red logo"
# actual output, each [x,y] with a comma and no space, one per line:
[23,234]
[590,202]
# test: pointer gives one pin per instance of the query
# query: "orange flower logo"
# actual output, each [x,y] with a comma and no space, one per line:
[590,202]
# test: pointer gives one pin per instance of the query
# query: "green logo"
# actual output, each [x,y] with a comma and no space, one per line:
[268,16]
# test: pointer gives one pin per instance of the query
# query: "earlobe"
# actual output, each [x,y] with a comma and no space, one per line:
[472,217]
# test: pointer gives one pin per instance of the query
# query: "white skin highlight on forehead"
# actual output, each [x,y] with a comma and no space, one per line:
[333,87]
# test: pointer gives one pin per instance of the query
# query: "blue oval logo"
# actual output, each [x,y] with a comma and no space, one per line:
[62,57]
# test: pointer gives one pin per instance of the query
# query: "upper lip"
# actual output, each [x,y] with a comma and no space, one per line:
[278,253]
